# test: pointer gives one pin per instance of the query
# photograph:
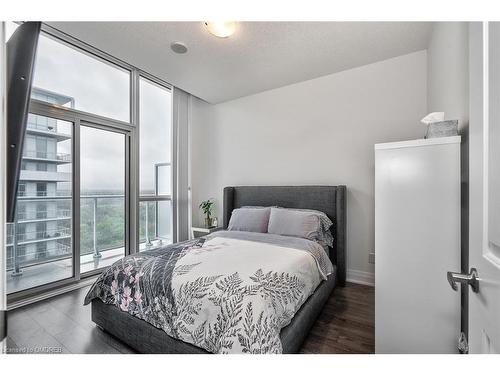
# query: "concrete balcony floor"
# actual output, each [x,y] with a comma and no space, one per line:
[45,273]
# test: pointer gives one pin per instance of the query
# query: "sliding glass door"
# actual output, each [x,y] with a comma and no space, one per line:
[60,171]
[103,197]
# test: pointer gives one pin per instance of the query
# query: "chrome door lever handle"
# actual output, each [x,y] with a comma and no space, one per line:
[471,279]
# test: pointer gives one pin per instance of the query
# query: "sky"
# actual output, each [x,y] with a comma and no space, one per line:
[100,88]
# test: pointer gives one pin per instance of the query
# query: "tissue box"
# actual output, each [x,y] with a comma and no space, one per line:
[447,128]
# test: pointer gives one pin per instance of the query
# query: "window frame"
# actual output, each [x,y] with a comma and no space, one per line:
[131,128]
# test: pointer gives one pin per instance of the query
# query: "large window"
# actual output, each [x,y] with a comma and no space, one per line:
[155,134]
[70,77]
[102,197]
[81,81]
[40,250]
[155,129]
[77,201]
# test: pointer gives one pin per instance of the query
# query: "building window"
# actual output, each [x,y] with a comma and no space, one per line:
[21,190]
[41,147]
[41,167]
[21,233]
[41,211]
[21,211]
[41,250]
[41,189]
[41,230]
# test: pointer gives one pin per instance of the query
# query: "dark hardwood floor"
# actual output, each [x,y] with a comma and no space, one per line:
[346,324]
[62,325]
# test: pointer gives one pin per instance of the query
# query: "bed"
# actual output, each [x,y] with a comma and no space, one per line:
[296,316]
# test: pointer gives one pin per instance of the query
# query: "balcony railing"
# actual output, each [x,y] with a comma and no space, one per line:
[48,130]
[58,251]
[45,194]
[102,228]
[32,236]
[44,127]
[43,235]
[47,155]
[115,206]
[45,214]
[44,176]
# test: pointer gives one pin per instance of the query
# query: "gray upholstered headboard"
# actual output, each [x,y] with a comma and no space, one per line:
[329,199]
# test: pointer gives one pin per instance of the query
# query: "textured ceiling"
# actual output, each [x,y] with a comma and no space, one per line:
[258,57]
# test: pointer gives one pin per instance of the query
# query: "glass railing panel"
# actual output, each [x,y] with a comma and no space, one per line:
[108,226]
[155,223]
[102,200]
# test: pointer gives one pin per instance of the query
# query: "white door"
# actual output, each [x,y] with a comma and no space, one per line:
[484,180]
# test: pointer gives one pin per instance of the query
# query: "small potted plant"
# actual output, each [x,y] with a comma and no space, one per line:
[207,207]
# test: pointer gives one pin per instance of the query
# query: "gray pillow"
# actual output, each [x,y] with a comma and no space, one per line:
[250,219]
[325,237]
[309,224]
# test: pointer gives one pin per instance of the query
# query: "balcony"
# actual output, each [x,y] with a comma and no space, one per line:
[46,130]
[43,195]
[40,272]
[51,157]
[46,215]
[102,240]
[44,176]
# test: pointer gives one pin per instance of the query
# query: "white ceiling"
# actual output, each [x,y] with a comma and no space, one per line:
[258,57]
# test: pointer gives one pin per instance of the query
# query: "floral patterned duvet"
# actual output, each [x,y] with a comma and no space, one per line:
[229,293]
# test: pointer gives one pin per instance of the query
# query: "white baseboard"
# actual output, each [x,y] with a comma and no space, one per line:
[361,277]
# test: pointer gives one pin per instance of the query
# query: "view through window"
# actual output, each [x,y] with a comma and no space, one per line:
[93,85]
[155,128]
[41,247]
[102,197]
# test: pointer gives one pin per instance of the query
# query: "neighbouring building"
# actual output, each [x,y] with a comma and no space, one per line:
[43,229]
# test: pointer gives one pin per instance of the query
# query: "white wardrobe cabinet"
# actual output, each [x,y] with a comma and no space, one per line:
[417,240]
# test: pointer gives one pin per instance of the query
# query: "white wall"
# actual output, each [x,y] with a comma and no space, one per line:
[320,131]
[448,71]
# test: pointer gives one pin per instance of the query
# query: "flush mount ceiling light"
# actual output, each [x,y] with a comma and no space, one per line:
[221,29]
[178,47]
